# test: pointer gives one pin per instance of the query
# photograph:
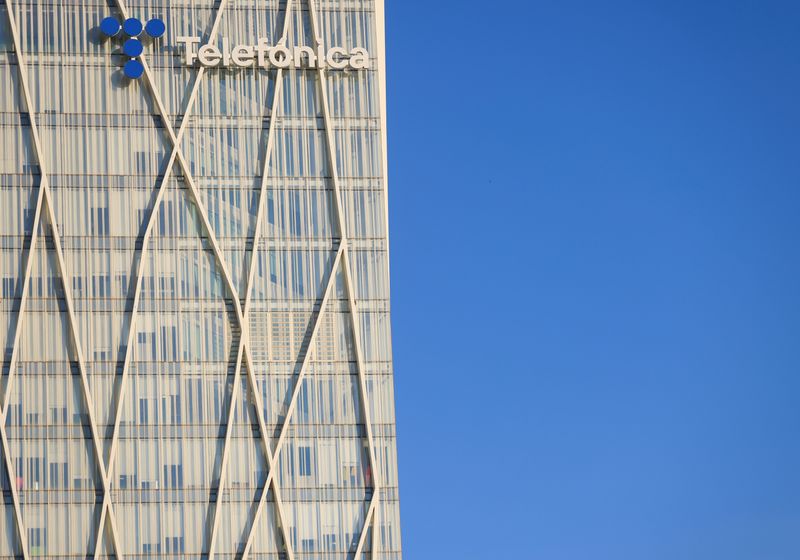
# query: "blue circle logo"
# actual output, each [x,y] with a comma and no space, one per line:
[155,28]
[110,27]
[132,47]
[133,69]
[133,27]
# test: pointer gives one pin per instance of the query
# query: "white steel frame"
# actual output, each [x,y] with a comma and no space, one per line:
[44,201]
[341,263]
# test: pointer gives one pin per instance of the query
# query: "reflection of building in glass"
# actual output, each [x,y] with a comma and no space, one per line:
[195,293]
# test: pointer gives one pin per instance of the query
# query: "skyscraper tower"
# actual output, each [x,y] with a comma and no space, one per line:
[195,281]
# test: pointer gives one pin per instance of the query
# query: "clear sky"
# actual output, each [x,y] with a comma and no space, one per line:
[595,236]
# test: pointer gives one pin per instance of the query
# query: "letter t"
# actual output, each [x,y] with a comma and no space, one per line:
[189,52]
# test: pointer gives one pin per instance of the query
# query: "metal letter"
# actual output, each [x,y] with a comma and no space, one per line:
[359,59]
[333,62]
[209,55]
[285,59]
[242,56]
[189,44]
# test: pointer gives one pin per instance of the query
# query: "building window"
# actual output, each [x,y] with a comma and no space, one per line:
[58,415]
[173,476]
[305,461]
[174,545]
[77,286]
[127,481]
[141,163]
[59,475]
[330,542]
[99,221]
[9,287]
[350,474]
[36,541]
[101,286]
[27,218]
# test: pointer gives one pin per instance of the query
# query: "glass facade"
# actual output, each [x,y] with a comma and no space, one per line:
[194,306]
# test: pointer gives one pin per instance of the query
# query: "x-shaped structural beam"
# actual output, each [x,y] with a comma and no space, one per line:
[45,201]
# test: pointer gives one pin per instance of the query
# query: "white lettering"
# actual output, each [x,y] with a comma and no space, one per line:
[311,58]
[263,50]
[333,62]
[209,55]
[242,56]
[359,59]
[321,56]
[264,55]
[189,44]
[285,58]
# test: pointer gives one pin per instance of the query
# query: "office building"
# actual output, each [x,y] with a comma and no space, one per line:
[195,281]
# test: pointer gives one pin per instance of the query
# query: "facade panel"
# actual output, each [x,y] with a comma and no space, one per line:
[195,285]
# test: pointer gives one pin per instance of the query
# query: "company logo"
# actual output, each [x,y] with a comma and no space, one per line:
[130,31]
[278,56]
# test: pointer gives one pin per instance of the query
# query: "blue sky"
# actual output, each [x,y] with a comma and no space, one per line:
[595,217]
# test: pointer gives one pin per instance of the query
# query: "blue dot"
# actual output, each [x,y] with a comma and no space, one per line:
[133,69]
[109,26]
[132,47]
[155,28]
[132,27]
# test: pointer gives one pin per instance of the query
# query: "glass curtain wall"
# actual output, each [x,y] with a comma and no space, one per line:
[194,297]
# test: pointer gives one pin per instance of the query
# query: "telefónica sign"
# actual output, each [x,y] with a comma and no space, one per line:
[265,55]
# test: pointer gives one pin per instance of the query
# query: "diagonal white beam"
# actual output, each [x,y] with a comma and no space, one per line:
[326,119]
[47,203]
[34,240]
[298,384]
[221,260]
[365,411]
[376,541]
[12,482]
[380,26]
[276,100]
[343,250]
[351,295]
[87,393]
[150,225]
[367,521]
[219,256]
[144,251]
[315,320]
